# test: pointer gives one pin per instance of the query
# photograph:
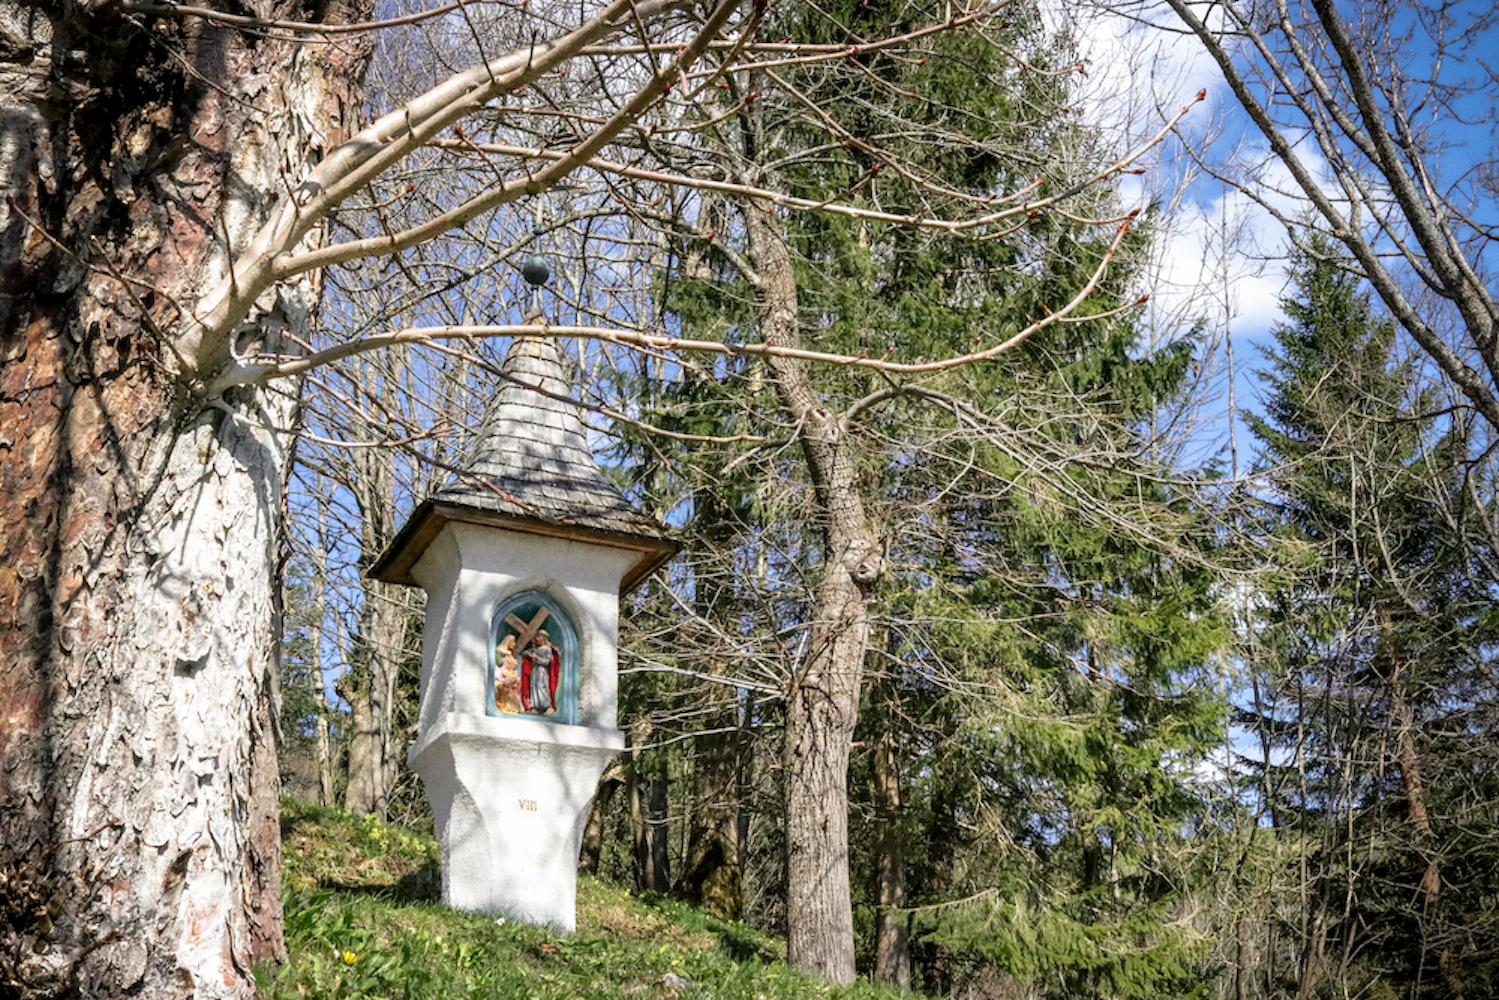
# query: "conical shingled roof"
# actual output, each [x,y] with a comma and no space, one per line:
[529,468]
[530,455]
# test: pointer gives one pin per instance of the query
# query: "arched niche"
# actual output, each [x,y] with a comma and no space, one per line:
[534,659]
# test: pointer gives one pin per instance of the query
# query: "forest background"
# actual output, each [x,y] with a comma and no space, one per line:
[1094,755]
[979,621]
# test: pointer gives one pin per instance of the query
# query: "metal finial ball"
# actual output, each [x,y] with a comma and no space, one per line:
[535,270]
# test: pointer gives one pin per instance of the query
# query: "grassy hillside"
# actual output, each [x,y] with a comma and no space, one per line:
[363,920]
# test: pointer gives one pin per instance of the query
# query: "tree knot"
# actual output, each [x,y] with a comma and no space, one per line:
[865,562]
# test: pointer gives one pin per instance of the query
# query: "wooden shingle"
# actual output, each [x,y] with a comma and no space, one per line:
[529,468]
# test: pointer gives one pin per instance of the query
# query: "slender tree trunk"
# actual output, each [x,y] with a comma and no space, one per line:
[1241,959]
[138,778]
[1416,815]
[711,876]
[648,826]
[744,793]
[591,853]
[382,626]
[1312,955]
[326,788]
[892,938]
[319,696]
[649,822]
[823,700]
[372,761]
[638,846]
[658,835]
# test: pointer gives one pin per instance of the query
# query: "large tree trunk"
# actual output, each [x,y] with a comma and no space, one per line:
[823,699]
[138,780]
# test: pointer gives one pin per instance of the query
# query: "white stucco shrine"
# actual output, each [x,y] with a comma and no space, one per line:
[524,556]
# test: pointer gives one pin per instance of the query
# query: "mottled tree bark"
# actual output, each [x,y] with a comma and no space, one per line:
[823,698]
[138,779]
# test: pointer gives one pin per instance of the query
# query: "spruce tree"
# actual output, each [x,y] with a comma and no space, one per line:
[1377,640]
[1035,641]
[1069,652]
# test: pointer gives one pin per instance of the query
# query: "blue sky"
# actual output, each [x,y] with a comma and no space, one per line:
[1220,256]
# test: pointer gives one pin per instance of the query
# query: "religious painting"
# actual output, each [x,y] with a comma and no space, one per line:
[534,659]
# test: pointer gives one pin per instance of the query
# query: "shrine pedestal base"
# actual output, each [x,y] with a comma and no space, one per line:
[510,797]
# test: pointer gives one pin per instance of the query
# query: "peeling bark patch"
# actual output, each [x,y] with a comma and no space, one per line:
[31,403]
[137,768]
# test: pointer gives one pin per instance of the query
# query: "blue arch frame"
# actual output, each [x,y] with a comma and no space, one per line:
[563,634]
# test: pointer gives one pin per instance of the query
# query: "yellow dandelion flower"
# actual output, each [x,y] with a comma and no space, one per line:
[350,958]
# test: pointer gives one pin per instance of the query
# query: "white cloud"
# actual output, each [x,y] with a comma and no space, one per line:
[1219,256]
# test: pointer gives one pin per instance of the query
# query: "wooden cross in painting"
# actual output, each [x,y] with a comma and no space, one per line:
[526,631]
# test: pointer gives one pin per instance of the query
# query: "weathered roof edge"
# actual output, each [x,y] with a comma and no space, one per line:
[395,564]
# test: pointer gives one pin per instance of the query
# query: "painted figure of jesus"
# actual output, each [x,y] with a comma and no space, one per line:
[541,669]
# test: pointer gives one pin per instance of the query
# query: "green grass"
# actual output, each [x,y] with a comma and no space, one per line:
[363,919]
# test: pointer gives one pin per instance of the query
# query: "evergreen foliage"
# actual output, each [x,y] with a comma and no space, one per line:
[1378,645]
[1062,659]
[1049,614]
